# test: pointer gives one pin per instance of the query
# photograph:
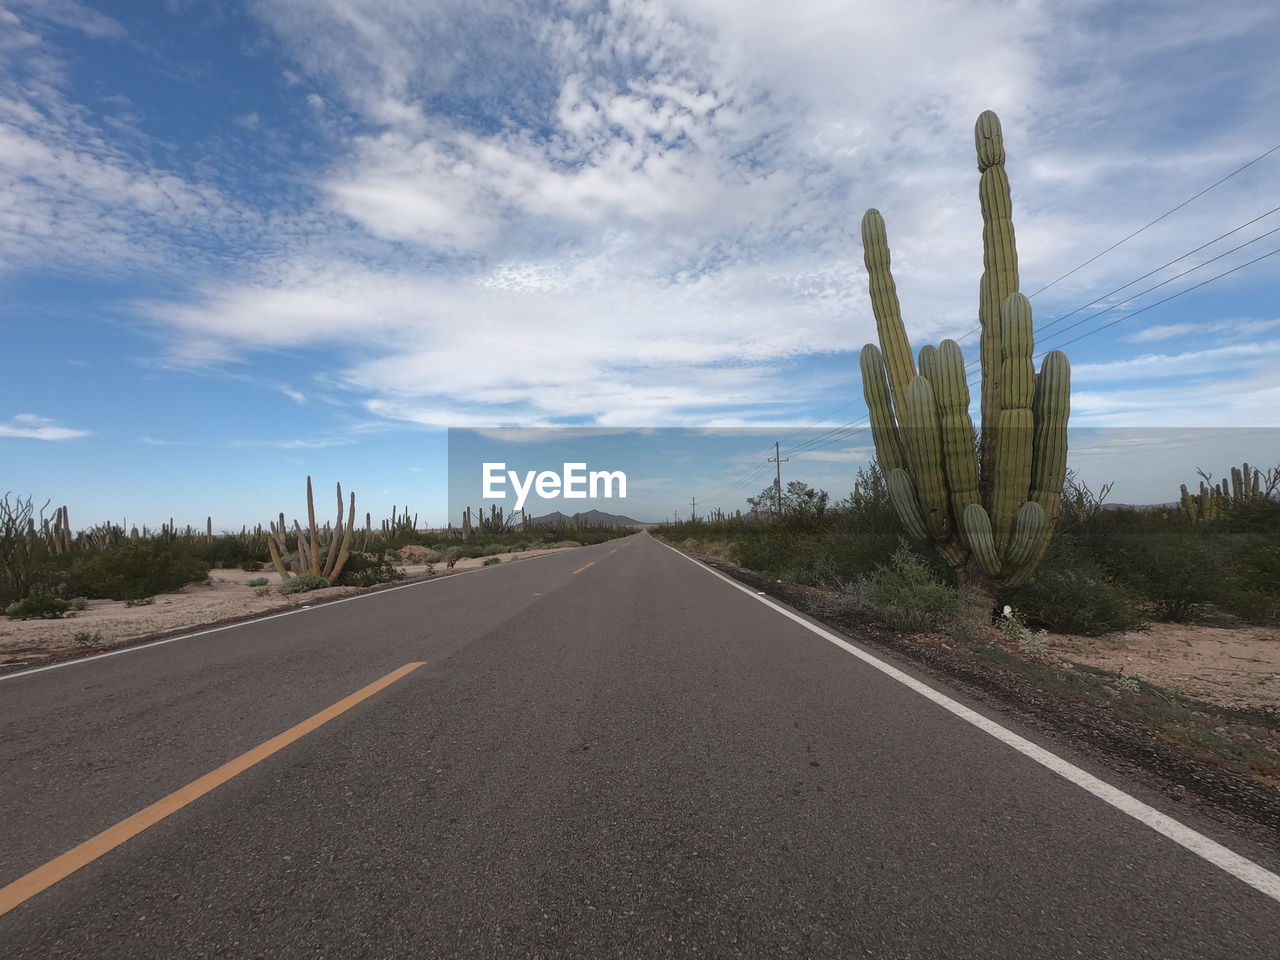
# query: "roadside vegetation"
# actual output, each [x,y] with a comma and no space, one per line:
[49,570]
[1107,570]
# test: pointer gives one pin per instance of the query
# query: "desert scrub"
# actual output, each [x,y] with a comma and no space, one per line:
[38,606]
[256,582]
[134,569]
[84,638]
[1013,626]
[907,595]
[490,561]
[78,603]
[365,571]
[1077,598]
[303,583]
[140,602]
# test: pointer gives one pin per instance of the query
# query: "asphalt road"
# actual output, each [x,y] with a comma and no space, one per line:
[634,759]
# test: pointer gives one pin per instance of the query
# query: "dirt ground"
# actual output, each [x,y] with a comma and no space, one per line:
[227,595]
[1236,667]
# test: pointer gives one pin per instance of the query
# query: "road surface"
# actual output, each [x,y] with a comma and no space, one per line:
[606,752]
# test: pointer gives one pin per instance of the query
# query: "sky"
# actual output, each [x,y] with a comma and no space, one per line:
[246,242]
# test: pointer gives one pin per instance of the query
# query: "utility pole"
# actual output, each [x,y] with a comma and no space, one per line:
[779,459]
[693,509]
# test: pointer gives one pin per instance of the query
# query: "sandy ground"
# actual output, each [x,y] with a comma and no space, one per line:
[227,595]
[1237,667]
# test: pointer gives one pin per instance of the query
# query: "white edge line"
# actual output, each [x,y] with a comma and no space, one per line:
[252,621]
[1243,869]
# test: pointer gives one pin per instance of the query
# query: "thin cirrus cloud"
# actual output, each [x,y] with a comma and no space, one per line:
[1235,328]
[30,426]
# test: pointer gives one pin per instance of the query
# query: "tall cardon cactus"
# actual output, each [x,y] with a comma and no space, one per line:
[988,504]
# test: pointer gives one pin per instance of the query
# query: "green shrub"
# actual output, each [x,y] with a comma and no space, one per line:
[1013,626]
[490,561]
[251,566]
[907,595]
[257,582]
[134,569]
[1128,685]
[1177,573]
[78,603]
[1253,593]
[86,639]
[1076,598]
[365,571]
[140,602]
[302,583]
[38,606]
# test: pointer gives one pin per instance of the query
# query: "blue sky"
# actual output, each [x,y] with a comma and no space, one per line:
[241,243]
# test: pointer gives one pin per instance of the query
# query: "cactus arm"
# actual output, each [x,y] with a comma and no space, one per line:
[304,550]
[1014,419]
[999,276]
[332,556]
[1028,533]
[314,552]
[928,363]
[977,533]
[924,445]
[903,494]
[875,390]
[951,391]
[884,304]
[1188,503]
[276,561]
[1051,409]
[344,552]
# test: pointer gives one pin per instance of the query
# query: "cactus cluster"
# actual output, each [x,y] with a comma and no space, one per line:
[320,553]
[1245,483]
[987,504]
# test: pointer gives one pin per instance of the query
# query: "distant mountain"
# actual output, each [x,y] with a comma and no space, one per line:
[594,518]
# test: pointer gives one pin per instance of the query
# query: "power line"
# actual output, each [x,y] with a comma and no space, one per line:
[1083,336]
[1162,283]
[854,427]
[1162,266]
[1171,296]
[1162,216]
[752,473]
[1167,213]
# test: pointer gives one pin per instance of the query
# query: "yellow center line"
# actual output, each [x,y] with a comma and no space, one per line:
[41,878]
[580,569]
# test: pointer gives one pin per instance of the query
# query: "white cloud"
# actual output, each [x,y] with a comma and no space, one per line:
[69,13]
[502,349]
[73,195]
[1236,328]
[29,426]
[1192,363]
[646,212]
